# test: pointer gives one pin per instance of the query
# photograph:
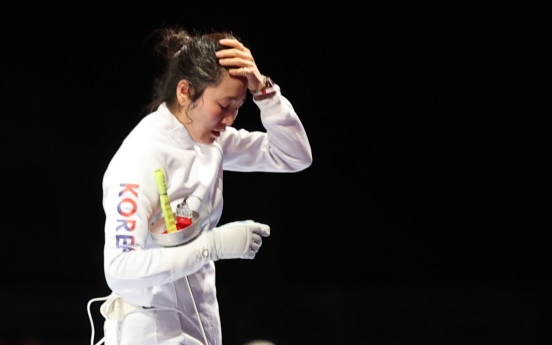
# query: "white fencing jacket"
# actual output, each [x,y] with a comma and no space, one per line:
[137,268]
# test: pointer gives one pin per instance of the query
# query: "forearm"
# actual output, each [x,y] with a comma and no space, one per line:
[284,147]
[142,268]
[286,134]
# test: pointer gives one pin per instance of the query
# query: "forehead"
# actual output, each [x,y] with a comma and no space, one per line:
[229,88]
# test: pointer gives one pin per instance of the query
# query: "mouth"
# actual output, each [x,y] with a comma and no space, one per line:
[216,133]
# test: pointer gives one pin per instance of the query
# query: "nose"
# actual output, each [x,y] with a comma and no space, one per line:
[230,117]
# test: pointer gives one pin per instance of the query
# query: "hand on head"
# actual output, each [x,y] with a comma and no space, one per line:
[239,56]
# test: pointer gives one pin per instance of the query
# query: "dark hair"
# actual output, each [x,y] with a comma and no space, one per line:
[186,56]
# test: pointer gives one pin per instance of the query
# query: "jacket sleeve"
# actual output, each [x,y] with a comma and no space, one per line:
[284,147]
[130,199]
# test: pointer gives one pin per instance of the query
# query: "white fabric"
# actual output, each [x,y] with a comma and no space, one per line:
[146,274]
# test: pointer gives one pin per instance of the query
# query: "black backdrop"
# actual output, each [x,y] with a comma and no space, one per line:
[423,218]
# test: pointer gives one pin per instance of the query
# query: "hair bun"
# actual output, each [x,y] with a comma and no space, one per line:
[171,41]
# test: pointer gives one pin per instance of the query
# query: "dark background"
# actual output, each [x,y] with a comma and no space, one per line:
[424,217]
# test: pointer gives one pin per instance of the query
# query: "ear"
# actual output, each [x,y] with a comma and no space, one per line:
[182,92]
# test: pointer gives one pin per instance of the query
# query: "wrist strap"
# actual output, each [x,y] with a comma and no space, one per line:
[266,91]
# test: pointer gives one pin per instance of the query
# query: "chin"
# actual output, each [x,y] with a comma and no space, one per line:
[207,141]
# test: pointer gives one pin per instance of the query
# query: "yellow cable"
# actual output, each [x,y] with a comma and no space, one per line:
[170,223]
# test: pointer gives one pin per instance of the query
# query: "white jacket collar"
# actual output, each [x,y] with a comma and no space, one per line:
[169,124]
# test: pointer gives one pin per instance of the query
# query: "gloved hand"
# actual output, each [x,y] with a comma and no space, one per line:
[237,240]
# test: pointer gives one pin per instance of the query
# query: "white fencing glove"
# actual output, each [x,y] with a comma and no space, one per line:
[237,240]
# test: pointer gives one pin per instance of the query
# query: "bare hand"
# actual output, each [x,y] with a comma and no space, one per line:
[240,57]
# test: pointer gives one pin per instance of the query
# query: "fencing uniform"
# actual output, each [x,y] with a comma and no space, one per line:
[153,285]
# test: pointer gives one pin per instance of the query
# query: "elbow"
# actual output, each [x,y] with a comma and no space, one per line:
[303,163]
[115,278]
[118,274]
